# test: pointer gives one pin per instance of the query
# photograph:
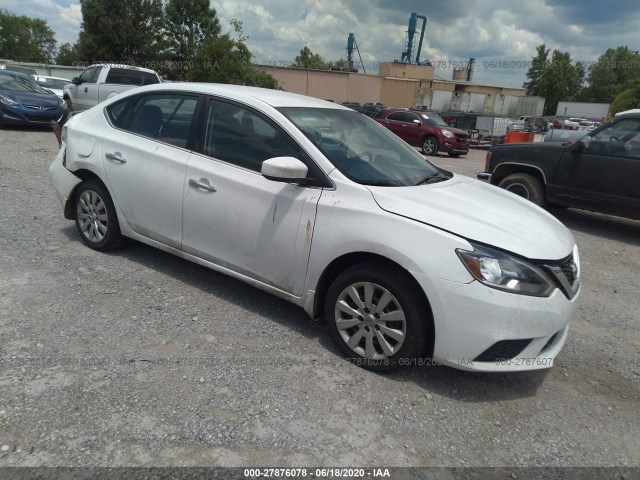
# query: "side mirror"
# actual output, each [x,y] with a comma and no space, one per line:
[76,81]
[584,141]
[284,169]
[417,122]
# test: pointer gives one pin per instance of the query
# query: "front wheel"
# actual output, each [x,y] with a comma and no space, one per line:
[377,317]
[430,146]
[96,218]
[524,185]
[69,104]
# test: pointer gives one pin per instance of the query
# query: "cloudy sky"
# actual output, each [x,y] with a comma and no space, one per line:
[501,35]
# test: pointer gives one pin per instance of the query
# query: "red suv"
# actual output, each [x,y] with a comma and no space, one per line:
[426,130]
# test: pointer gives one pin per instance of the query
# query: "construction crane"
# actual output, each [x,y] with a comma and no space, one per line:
[351,44]
[411,32]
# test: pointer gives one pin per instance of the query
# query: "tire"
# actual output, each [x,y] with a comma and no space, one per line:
[524,185]
[382,345]
[429,146]
[69,104]
[454,154]
[96,218]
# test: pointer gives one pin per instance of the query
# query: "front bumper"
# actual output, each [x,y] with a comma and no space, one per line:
[478,328]
[24,116]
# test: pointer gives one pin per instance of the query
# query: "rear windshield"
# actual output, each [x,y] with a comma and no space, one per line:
[125,76]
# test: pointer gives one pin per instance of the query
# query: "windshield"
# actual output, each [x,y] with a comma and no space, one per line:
[53,83]
[433,119]
[363,150]
[20,84]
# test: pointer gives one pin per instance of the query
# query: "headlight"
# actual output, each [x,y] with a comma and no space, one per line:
[505,272]
[7,100]
[447,133]
[62,103]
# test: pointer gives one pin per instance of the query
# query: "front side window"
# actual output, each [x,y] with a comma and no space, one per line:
[362,149]
[165,117]
[433,119]
[397,116]
[241,137]
[88,75]
[622,139]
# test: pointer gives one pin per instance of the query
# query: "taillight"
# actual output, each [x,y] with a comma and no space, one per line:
[487,161]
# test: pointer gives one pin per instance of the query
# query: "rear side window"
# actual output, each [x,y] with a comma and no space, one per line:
[125,76]
[164,117]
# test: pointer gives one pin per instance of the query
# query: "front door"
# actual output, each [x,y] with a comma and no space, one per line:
[605,175]
[235,217]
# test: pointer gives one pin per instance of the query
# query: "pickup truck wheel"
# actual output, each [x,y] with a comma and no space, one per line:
[524,185]
[69,104]
[430,146]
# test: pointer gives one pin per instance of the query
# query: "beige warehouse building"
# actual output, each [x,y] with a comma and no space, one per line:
[400,85]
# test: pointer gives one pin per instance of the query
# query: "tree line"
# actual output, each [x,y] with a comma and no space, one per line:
[614,78]
[181,39]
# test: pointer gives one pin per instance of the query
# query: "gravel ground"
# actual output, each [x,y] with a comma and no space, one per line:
[138,358]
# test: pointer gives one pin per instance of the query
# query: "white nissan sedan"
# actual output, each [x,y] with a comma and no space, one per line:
[320,205]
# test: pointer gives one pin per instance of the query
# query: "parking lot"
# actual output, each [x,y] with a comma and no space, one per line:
[139,358]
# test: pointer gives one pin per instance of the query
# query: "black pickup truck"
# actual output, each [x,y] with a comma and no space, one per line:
[599,172]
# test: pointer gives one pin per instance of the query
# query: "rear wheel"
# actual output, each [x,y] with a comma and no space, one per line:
[430,146]
[524,185]
[96,218]
[377,316]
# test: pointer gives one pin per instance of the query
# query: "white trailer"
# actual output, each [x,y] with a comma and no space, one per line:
[590,111]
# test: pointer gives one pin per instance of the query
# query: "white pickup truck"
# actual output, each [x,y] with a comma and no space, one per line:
[99,82]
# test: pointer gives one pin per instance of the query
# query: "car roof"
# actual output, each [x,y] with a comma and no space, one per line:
[274,98]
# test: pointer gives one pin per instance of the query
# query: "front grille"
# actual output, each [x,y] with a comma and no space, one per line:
[40,108]
[568,268]
[565,275]
[503,350]
[40,118]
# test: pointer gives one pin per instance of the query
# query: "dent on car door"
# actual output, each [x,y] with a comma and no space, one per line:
[145,157]
[235,217]
[604,175]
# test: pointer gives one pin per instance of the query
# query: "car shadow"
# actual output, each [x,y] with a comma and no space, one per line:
[607,226]
[457,384]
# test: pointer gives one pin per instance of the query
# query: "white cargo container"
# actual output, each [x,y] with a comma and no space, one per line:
[533,106]
[590,111]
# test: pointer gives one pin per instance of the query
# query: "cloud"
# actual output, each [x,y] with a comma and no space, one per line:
[487,30]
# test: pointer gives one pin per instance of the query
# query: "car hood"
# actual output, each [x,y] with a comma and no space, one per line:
[29,98]
[481,212]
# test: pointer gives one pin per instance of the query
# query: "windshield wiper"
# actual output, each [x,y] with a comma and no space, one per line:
[379,183]
[433,178]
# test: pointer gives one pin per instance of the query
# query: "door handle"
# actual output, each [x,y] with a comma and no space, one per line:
[86,89]
[202,184]
[116,157]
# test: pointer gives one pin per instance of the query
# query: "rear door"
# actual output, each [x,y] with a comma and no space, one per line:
[397,123]
[605,175]
[145,157]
